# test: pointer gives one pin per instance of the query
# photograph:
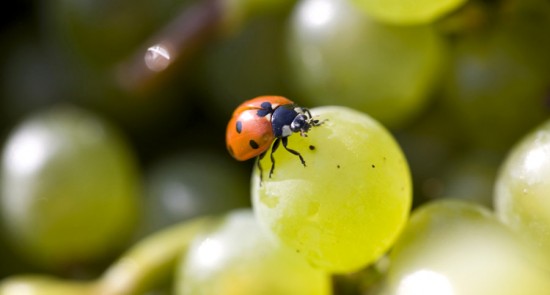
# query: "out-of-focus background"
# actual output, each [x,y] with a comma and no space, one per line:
[103,98]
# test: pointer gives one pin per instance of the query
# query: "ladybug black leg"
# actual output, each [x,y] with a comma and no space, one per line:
[285,142]
[308,113]
[273,149]
[262,155]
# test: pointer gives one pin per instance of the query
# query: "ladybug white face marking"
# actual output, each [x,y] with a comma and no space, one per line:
[287,131]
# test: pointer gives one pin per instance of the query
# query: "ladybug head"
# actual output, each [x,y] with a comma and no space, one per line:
[300,124]
[303,122]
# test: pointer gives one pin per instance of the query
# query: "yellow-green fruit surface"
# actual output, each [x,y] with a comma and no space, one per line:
[347,206]
[452,247]
[338,55]
[238,258]
[408,11]
[522,198]
[69,190]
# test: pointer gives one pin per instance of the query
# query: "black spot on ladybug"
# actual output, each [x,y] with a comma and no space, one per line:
[311,147]
[253,144]
[266,109]
[239,126]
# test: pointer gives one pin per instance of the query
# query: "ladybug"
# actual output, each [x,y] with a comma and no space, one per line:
[262,122]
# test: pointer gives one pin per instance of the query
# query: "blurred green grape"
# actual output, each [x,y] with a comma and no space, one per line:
[69,190]
[191,184]
[238,258]
[408,11]
[453,247]
[347,206]
[498,80]
[339,56]
[521,192]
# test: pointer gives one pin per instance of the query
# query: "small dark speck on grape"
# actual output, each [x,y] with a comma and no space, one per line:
[373,166]
[338,166]
[311,147]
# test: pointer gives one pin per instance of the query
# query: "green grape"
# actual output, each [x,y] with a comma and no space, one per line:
[521,192]
[179,187]
[498,78]
[452,247]
[348,205]
[408,11]
[69,190]
[238,258]
[339,56]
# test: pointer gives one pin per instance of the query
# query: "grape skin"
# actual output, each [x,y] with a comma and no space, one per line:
[347,206]
[460,248]
[238,258]
[521,191]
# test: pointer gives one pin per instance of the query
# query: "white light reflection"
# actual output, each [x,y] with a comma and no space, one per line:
[317,13]
[535,158]
[209,253]
[19,288]
[158,57]
[425,282]
[27,152]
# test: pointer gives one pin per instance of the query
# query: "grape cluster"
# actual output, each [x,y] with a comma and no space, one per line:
[423,166]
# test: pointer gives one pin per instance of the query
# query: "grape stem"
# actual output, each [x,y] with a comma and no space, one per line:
[191,28]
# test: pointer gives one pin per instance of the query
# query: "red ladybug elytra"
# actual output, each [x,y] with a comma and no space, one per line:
[265,120]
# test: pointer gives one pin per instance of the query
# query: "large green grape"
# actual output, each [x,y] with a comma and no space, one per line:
[69,188]
[521,192]
[238,258]
[453,247]
[339,56]
[347,206]
[408,11]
